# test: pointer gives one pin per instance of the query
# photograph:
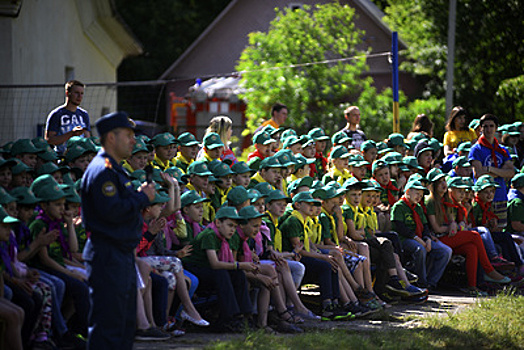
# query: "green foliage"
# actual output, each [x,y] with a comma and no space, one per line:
[312,93]
[510,98]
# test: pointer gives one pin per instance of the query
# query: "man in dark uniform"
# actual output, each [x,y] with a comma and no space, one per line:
[111,212]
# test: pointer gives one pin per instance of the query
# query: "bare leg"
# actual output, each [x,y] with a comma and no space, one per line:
[400,270]
[14,317]
[287,287]
[183,294]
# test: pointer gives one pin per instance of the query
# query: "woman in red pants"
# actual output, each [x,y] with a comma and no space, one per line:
[447,218]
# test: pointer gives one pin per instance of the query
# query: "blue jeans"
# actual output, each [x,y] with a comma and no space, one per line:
[491,250]
[428,266]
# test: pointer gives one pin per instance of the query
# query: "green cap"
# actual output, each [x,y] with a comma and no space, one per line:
[318,134]
[411,144]
[518,181]
[379,164]
[263,187]
[418,177]
[475,123]
[435,145]
[329,191]
[462,162]
[23,146]
[263,138]
[140,175]
[199,168]
[435,174]
[483,182]
[40,143]
[285,157]
[187,139]
[371,185]
[306,140]
[140,146]
[302,161]
[339,152]
[340,137]
[160,197]
[286,133]
[306,197]
[212,141]
[50,168]
[74,152]
[46,188]
[393,158]
[420,136]
[353,183]
[511,130]
[221,169]
[255,194]
[191,197]
[456,182]
[163,139]
[270,162]
[464,147]
[317,184]
[48,154]
[24,195]
[7,162]
[396,140]
[20,167]
[238,195]
[249,212]
[5,218]
[416,185]
[367,145]
[290,141]
[276,195]
[293,186]
[175,172]
[411,162]
[6,197]
[71,194]
[242,168]
[357,160]
[227,213]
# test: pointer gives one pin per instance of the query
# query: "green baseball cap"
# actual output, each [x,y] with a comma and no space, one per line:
[396,140]
[163,139]
[199,168]
[285,157]
[175,172]
[22,146]
[263,187]
[187,139]
[290,141]
[435,174]
[411,162]
[276,195]
[46,188]
[48,154]
[74,152]
[418,177]
[286,133]
[20,167]
[270,162]
[242,168]
[318,134]
[392,158]
[340,137]
[518,181]
[420,136]
[294,185]
[357,160]
[40,143]
[435,145]
[71,194]
[140,175]
[6,218]
[5,197]
[306,197]
[7,162]
[24,195]
[306,140]
[221,169]
[511,130]
[379,164]
[191,197]
[484,182]
[339,152]
[416,185]
[227,213]
[302,161]
[371,185]
[456,182]
[263,138]
[255,194]
[140,146]
[238,195]
[367,145]
[464,147]
[462,162]
[160,197]
[353,183]
[475,123]
[249,212]
[212,141]
[50,168]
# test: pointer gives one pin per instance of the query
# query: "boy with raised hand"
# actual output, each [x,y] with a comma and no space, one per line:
[213,263]
[429,254]
[242,174]
[269,171]
[165,150]
[321,268]
[212,149]
[188,147]
[197,176]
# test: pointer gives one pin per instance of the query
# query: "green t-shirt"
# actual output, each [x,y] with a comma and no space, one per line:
[54,250]
[384,193]
[347,213]
[206,240]
[328,231]
[430,207]
[430,210]
[290,228]
[515,213]
[475,215]
[401,212]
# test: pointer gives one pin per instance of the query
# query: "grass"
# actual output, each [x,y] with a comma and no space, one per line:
[496,323]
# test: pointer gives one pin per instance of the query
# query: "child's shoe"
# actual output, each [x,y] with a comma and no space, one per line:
[502,264]
[397,286]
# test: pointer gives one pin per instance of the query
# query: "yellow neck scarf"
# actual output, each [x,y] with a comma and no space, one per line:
[370,217]
[277,240]
[333,226]
[127,166]
[160,163]
[307,228]
[316,230]
[340,176]
[180,157]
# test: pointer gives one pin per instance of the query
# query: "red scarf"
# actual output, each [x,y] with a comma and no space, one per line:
[495,147]
[323,160]
[487,214]
[256,154]
[369,167]
[416,217]
[461,211]
[224,254]
[389,188]
[247,255]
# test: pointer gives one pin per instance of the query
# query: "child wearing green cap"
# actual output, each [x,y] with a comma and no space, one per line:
[224,180]
[516,209]
[369,151]
[338,166]
[12,314]
[165,150]
[6,175]
[22,175]
[389,193]
[198,175]
[212,149]
[188,150]
[213,263]
[262,142]
[139,157]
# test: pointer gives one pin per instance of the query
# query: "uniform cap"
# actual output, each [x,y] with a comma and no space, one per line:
[212,141]
[113,121]
[187,139]
[163,139]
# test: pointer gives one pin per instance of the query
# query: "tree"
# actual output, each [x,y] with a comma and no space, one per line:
[274,66]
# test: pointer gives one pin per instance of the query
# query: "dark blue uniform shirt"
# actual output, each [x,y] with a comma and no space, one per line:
[110,205]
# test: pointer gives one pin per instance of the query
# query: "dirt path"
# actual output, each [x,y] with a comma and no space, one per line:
[398,316]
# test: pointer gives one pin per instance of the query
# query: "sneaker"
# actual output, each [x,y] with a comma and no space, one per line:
[71,341]
[308,316]
[398,286]
[358,309]
[502,264]
[413,291]
[151,334]
[363,295]
[333,313]
[412,278]
[389,298]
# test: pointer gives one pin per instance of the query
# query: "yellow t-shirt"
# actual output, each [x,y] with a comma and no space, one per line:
[454,138]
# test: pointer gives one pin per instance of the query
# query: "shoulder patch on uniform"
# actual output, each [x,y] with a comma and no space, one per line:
[108,164]
[108,189]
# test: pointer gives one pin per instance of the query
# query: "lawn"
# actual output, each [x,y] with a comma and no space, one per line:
[495,323]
